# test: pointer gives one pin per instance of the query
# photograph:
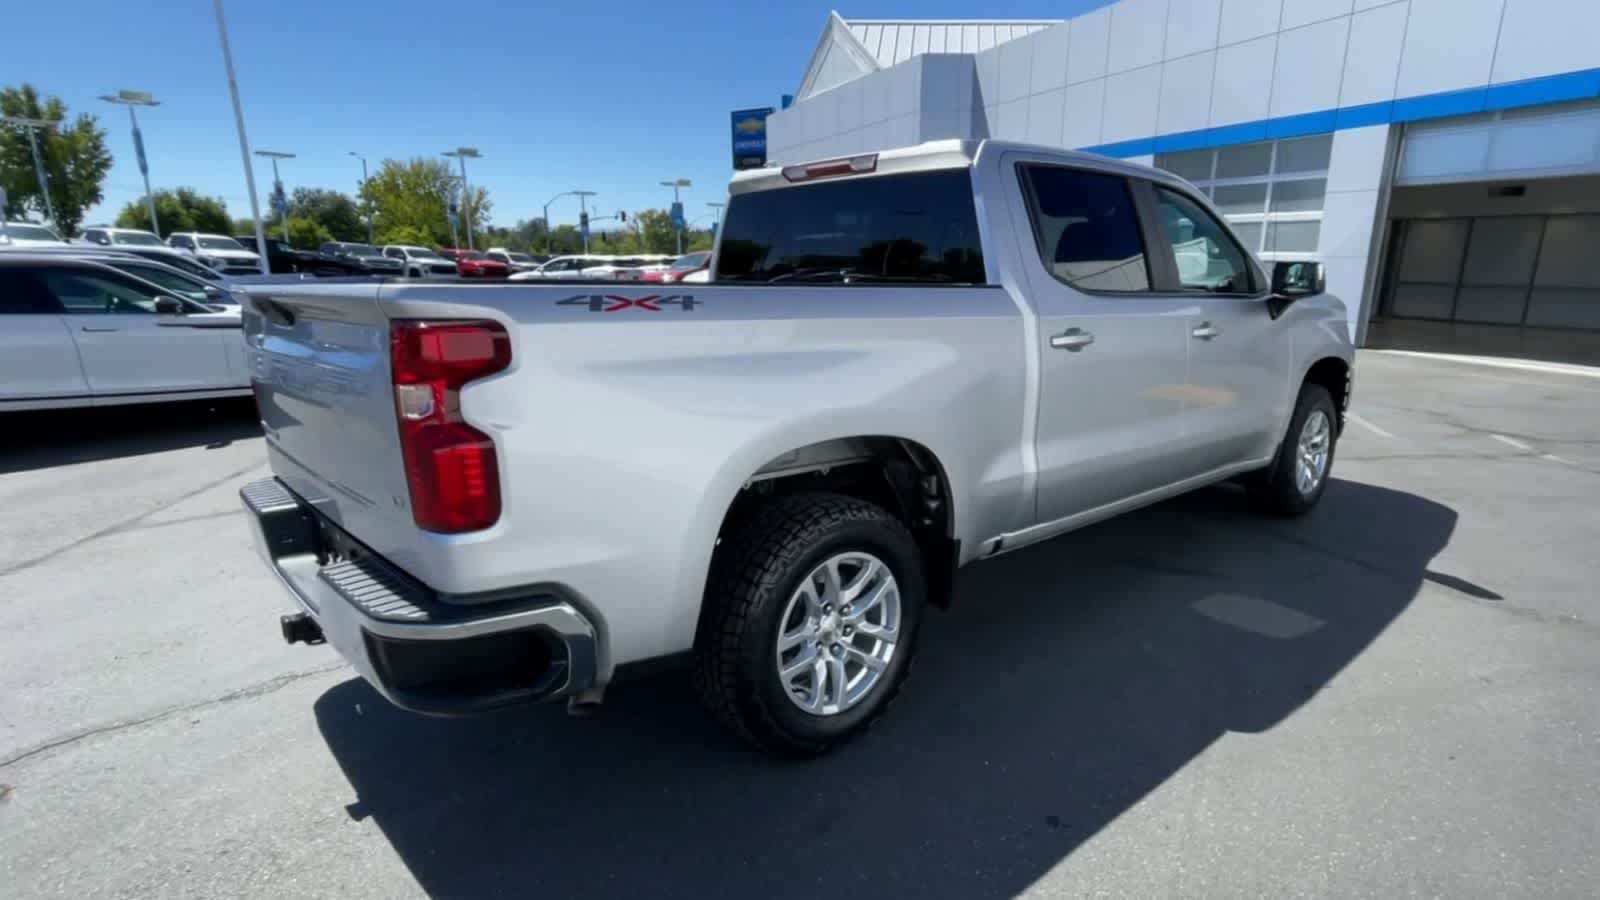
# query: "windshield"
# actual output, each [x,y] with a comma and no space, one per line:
[360,249]
[168,281]
[916,227]
[136,239]
[692,261]
[220,243]
[31,232]
[178,261]
[474,255]
[520,257]
[423,253]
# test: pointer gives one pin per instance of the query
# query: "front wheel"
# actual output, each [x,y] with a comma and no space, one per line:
[810,622]
[1298,475]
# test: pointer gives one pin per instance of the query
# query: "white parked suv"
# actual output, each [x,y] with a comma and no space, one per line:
[218,251]
[28,234]
[87,331]
[910,361]
[420,262]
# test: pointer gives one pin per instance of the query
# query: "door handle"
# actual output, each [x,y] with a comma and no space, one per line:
[1072,340]
[1206,331]
[91,328]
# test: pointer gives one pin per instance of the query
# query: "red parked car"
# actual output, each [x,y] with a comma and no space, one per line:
[683,265]
[475,264]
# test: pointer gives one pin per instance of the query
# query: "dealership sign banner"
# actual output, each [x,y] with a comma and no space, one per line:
[750,137]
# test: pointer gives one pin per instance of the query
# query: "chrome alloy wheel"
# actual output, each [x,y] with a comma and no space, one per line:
[838,633]
[1311,460]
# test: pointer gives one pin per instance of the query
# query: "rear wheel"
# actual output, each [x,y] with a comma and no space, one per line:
[1298,475]
[810,622]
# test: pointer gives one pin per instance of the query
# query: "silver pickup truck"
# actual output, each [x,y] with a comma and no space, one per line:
[908,361]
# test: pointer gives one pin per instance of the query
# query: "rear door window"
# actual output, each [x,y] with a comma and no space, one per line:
[22,294]
[1087,228]
[919,227]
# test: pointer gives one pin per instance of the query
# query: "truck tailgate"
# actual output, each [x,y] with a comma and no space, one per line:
[319,362]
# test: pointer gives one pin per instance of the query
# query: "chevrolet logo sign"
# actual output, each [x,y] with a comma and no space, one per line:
[752,126]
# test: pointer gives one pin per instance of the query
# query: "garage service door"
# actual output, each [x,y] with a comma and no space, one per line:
[1538,271]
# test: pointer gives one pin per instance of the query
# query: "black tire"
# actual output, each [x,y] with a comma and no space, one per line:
[1274,488]
[755,570]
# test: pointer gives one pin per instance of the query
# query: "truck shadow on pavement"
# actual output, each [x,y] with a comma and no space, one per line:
[1069,680]
[45,439]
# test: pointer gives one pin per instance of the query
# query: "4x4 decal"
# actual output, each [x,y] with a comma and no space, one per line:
[612,303]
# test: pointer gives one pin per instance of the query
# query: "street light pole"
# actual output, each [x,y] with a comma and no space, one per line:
[547,228]
[364,202]
[244,142]
[277,188]
[678,225]
[131,99]
[462,154]
[31,126]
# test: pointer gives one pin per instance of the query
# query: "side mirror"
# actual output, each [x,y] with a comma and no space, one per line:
[213,292]
[169,306]
[1292,281]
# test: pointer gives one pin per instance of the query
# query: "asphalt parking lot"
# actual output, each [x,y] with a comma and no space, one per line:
[1395,696]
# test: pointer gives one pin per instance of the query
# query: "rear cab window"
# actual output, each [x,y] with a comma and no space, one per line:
[916,227]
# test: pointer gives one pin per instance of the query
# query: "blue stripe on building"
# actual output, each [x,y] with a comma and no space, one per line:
[1583,85]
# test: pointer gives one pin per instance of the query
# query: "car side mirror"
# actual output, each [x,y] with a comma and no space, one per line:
[213,292]
[169,306]
[1293,281]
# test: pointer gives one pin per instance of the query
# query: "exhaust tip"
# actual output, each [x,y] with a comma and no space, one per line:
[300,628]
[586,704]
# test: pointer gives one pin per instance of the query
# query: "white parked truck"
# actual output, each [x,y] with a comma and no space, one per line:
[488,494]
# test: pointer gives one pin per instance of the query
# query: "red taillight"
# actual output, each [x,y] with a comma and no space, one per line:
[849,165]
[451,467]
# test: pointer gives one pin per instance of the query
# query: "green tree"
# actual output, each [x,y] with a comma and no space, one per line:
[336,212]
[75,159]
[410,198]
[697,240]
[308,234]
[655,228]
[565,240]
[181,209]
[406,234]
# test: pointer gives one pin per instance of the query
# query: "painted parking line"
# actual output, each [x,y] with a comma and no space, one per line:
[1525,447]
[1367,425]
[1512,442]
[1495,362]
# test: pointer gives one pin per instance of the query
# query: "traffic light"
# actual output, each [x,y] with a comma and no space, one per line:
[622,216]
[583,221]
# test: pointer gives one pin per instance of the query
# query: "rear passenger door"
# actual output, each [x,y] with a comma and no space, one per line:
[38,362]
[1237,396]
[1113,352]
[127,347]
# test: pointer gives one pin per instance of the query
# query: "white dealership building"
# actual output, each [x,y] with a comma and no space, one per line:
[1442,157]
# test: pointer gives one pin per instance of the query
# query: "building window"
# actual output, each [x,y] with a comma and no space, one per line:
[1272,193]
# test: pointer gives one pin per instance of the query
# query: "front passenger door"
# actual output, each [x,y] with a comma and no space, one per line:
[1237,399]
[129,348]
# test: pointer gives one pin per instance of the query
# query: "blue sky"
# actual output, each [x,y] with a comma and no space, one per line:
[612,96]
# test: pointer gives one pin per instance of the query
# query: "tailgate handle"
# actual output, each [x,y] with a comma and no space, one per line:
[277,313]
[91,328]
